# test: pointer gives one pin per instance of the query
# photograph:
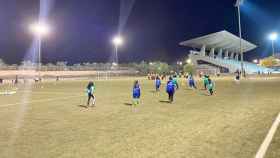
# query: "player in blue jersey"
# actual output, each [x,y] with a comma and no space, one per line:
[136,93]
[170,89]
[157,83]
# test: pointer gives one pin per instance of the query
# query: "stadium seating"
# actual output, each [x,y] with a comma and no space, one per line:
[233,65]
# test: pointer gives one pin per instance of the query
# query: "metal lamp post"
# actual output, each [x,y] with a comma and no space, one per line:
[238,4]
[117,41]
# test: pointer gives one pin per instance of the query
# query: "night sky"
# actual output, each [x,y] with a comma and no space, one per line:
[82,29]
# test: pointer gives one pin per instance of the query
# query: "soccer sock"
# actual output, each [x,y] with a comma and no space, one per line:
[93,101]
[134,102]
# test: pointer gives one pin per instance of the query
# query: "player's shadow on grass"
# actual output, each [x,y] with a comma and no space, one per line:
[82,106]
[165,101]
[127,104]
[153,91]
[205,94]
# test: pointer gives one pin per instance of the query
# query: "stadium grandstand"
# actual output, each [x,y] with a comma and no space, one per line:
[220,53]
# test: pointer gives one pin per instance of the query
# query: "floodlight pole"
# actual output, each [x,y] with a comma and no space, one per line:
[116,53]
[240,40]
[117,41]
[39,53]
[39,30]
[273,49]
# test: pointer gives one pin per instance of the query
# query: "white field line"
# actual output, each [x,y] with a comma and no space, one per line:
[263,148]
[40,100]
[45,92]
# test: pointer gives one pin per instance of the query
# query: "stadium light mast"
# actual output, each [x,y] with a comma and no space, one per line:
[117,41]
[273,37]
[238,4]
[189,61]
[180,63]
[256,61]
[39,30]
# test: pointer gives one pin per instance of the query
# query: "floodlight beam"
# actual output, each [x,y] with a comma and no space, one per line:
[273,37]
[239,3]
[39,29]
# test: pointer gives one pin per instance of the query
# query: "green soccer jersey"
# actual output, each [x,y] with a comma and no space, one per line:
[174,81]
[205,80]
[91,90]
[210,86]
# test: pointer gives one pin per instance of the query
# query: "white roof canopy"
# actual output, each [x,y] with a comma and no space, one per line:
[220,40]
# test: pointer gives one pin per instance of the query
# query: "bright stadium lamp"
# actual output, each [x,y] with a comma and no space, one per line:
[39,29]
[256,61]
[117,41]
[273,37]
[179,63]
[189,61]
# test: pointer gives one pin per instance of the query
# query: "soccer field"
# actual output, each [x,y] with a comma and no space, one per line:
[50,122]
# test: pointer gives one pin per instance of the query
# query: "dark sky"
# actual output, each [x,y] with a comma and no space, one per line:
[82,29]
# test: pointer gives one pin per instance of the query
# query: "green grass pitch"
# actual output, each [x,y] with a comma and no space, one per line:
[50,122]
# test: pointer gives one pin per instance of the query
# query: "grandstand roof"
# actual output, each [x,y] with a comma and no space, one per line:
[223,39]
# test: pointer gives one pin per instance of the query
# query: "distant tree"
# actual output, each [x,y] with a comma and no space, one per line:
[189,68]
[107,66]
[62,65]
[51,67]
[86,66]
[77,66]
[143,67]
[13,67]
[150,67]
[27,64]
[24,63]
[269,62]
[160,67]
[2,64]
